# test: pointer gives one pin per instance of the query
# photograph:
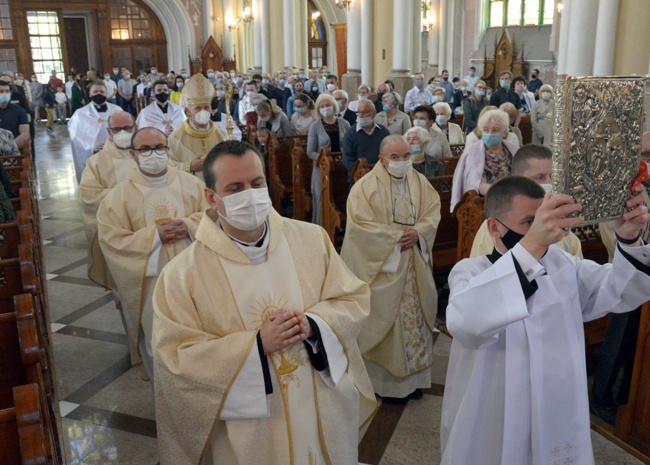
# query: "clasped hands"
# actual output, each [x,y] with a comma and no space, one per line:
[172,231]
[408,240]
[552,221]
[284,328]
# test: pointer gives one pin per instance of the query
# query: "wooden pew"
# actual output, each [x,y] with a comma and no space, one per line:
[469,214]
[457,149]
[444,245]
[280,167]
[449,164]
[361,168]
[301,166]
[22,429]
[334,193]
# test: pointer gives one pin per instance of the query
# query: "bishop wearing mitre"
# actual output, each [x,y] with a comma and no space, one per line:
[392,218]
[144,222]
[103,172]
[191,142]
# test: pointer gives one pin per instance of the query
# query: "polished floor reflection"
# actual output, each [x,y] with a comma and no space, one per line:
[108,409]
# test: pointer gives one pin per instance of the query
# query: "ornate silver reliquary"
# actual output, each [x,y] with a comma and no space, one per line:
[597,129]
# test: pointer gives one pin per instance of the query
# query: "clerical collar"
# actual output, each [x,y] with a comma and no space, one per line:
[494,256]
[254,251]
[157,182]
[101,109]
[163,108]
[196,128]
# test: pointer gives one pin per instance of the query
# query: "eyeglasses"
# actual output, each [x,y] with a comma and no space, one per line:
[123,128]
[364,113]
[411,206]
[148,151]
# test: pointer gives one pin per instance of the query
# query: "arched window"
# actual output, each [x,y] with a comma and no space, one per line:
[137,38]
[504,13]
[317,37]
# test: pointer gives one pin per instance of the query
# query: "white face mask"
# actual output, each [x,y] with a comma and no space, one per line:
[363,97]
[202,117]
[331,87]
[327,112]
[122,140]
[441,120]
[546,95]
[154,163]
[546,187]
[247,210]
[419,123]
[399,169]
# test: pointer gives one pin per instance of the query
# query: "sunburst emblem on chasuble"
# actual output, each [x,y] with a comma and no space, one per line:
[161,211]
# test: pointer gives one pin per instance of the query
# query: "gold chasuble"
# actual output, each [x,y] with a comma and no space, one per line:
[186,143]
[128,218]
[397,339]
[205,329]
[103,172]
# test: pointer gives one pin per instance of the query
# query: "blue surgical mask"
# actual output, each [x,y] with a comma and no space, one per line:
[179,85]
[504,84]
[491,140]
[463,88]
[255,108]
[472,73]
[221,93]
[419,84]
[282,82]
[340,104]
[301,76]
[5,98]
[386,108]
[437,98]
[219,80]
[416,149]
[185,75]
[210,75]
[300,110]
[238,80]
[479,93]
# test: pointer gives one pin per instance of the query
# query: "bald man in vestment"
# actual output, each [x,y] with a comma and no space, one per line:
[190,143]
[102,173]
[392,218]
[144,222]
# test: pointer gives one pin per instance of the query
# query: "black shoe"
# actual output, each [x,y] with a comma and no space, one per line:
[605,413]
[49,128]
[395,400]
[416,395]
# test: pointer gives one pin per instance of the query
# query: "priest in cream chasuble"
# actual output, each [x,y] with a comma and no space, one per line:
[87,127]
[144,222]
[161,113]
[102,173]
[190,143]
[392,218]
[256,359]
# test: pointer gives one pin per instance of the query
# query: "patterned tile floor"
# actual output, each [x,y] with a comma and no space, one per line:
[108,409]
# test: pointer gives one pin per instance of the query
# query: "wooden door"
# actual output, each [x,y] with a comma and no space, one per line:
[76,43]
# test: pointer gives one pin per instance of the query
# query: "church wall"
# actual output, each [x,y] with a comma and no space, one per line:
[383,41]
[633,38]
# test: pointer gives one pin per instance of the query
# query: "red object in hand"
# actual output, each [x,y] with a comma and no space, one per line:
[642,177]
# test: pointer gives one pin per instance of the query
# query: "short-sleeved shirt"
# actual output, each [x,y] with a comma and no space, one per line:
[126,86]
[12,117]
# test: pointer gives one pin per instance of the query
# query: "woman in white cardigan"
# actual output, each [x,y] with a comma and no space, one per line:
[452,131]
[327,131]
[538,114]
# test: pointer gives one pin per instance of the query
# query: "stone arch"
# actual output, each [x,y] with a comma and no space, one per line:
[331,15]
[179,30]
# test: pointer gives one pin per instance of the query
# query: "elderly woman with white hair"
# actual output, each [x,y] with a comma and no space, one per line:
[423,154]
[485,162]
[397,122]
[452,131]
[327,131]
[538,114]
[363,93]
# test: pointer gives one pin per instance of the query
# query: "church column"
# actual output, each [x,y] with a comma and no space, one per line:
[416,48]
[564,37]
[443,35]
[367,53]
[289,30]
[450,20]
[257,35]
[434,37]
[208,15]
[402,46]
[582,35]
[265,35]
[605,38]
[228,34]
[352,79]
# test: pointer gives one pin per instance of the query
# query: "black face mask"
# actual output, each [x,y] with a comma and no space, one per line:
[446,78]
[99,99]
[380,95]
[533,77]
[162,97]
[511,238]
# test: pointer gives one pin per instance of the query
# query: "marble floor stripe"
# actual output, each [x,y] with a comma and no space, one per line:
[65,234]
[435,390]
[71,219]
[71,266]
[100,381]
[374,442]
[86,309]
[95,334]
[114,420]
[73,280]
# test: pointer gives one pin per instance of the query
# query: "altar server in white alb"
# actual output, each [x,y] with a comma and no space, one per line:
[516,390]
[88,126]
[161,113]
